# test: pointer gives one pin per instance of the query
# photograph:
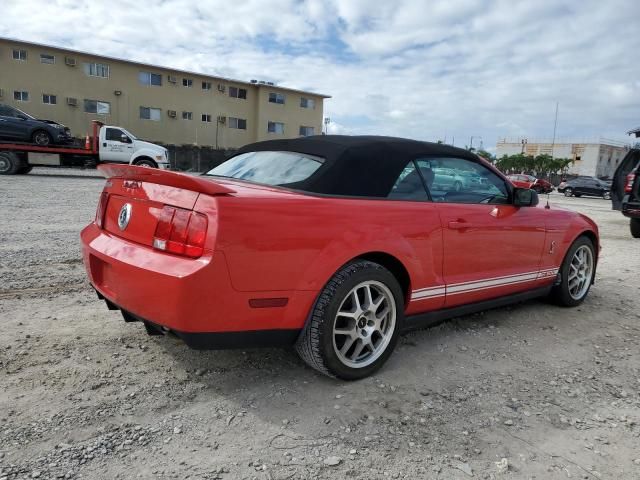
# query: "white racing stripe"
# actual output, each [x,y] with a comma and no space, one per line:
[479,285]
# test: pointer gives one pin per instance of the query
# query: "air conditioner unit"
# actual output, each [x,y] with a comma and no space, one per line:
[171,113]
[270,83]
[70,61]
[254,81]
[72,101]
[221,87]
[222,119]
[171,79]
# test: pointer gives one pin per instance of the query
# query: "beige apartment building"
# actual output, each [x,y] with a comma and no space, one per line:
[593,158]
[154,103]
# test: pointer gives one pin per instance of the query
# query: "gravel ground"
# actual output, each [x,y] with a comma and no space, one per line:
[529,391]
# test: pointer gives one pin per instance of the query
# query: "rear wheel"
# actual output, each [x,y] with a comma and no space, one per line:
[576,274]
[42,138]
[145,162]
[354,325]
[9,163]
[568,192]
[635,227]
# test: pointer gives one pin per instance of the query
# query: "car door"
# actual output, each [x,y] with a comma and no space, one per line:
[627,165]
[10,124]
[116,146]
[491,248]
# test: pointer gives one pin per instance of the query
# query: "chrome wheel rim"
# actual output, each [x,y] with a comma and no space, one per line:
[5,165]
[364,324]
[580,272]
[42,139]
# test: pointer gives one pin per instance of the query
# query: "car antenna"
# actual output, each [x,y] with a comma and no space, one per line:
[547,206]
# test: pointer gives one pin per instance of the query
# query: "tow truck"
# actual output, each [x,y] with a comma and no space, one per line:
[107,144]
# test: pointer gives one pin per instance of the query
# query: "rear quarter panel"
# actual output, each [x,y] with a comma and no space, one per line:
[298,243]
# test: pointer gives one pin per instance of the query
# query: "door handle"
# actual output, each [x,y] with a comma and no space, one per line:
[459,225]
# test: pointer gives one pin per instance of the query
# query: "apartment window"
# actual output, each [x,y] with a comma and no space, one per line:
[206,117]
[96,69]
[187,82]
[307,102]
[239,123]
[49,99]
[275,127]
[306,131]
[45,58]
[206,85]
[236,92]
[97,107]
[21,96]
[19,54]
[148,78]
[187,115]
[148,113]
[276,98]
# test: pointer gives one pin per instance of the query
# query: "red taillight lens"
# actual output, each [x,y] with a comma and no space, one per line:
[181,232]
[629,185]
[102,208]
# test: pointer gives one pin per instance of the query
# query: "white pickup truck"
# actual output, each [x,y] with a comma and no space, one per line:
[108,144]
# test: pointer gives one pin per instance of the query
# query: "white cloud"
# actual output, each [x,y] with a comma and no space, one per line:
[410,68]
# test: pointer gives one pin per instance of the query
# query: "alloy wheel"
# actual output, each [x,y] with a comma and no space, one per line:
[580,272]
[41,138]
[364,324]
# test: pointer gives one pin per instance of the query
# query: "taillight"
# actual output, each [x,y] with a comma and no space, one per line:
[181,232]
[102,208]
[629,185]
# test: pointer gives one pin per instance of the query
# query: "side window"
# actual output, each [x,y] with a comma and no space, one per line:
[458,180]
[408,185]
[114,134]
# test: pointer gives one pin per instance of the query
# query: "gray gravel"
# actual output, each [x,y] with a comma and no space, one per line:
[529,391]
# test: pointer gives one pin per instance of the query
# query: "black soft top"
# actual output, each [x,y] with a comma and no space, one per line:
[357,165]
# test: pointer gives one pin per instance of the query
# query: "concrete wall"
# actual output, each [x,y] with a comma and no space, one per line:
[71,81]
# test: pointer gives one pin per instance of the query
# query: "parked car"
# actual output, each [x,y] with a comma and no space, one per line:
[625,190]
[19,126]
[457,180]
[334,244]
[529,181]
[589,186]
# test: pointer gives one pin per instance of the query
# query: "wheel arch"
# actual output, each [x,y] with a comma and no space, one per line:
[137,159]
[394,265]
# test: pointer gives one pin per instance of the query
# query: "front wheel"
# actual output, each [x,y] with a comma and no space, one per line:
[41,138]
[568,192]
[354,325]
[635,227]
[576,274]
[606,195]
[146,162]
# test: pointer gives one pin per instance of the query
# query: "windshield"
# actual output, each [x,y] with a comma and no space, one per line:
[269,168]
[24,113]
[129,134]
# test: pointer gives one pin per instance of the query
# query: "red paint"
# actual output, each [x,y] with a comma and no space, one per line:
[272,244]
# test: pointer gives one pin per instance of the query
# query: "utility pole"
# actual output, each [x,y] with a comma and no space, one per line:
[555,125]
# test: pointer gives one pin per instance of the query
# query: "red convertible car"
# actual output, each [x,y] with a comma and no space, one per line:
[334,244]
[529,181]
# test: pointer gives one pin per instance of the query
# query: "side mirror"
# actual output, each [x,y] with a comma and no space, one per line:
[124,139]
[524,197]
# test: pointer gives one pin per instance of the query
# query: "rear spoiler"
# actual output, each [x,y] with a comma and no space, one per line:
[164,177]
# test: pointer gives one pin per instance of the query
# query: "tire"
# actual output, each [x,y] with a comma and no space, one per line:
[9,163]
[457,186]
[568,192]
[562,294]
[145,162]
[606,195]
[634,225]
[321,347]
[41,138]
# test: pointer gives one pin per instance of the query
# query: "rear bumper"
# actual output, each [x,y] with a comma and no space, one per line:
[193,299]
[630,208]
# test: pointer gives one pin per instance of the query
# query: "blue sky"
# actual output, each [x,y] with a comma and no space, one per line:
[425,70]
